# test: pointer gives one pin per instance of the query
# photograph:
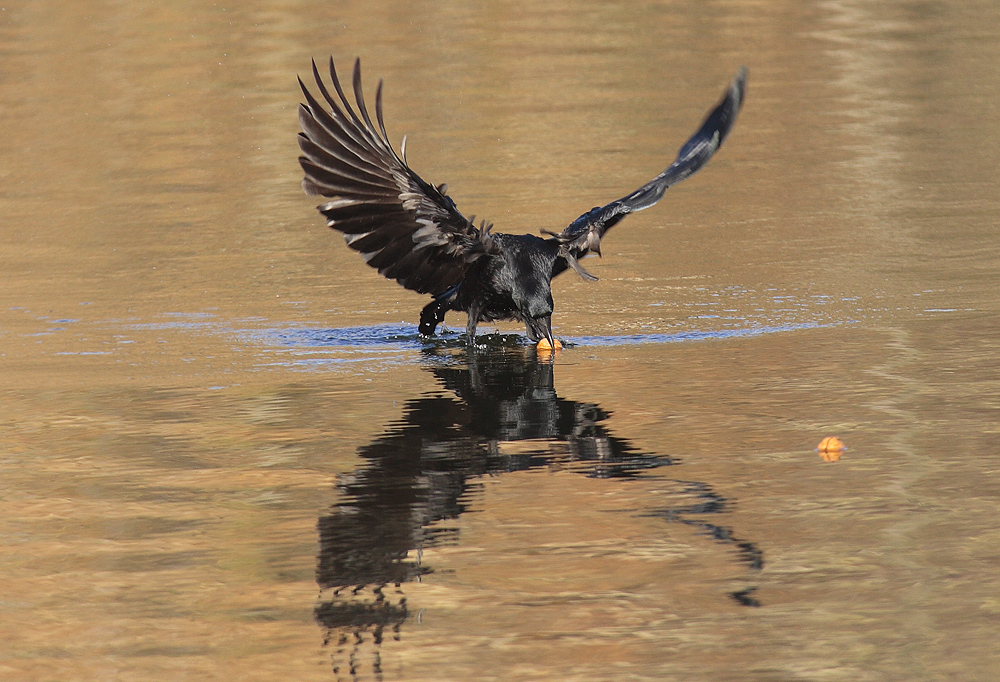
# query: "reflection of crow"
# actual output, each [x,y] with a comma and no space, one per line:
[413,233]
[421,470]
[500,414]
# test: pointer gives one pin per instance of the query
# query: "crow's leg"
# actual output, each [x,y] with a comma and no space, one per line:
[433,313]
[431,316]
[470,326]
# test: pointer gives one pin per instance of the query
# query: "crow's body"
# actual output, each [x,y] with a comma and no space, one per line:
[411,231]
[513,284]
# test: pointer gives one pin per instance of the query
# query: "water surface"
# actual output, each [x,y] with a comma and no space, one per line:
[226,454]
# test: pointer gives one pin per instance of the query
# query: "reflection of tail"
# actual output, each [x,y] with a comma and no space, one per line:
[710,502]
[359,619]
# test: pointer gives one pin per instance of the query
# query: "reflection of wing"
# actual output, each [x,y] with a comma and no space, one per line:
[402,225]
[584,234]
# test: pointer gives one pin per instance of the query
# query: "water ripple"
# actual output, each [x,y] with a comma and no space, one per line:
[406,337]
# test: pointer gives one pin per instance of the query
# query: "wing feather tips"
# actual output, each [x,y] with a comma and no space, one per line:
[344,161]
[311,188]
[335,139]
[737,94]
[584,234]
[339,134]
[403,226]
[716,126]
[359,96]
[697,151]
[335,183]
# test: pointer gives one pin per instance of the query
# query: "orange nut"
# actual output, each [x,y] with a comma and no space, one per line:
[831,444]
[831,448]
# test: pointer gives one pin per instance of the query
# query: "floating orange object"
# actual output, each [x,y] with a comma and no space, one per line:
[831,443]
[544,345]
[831,448]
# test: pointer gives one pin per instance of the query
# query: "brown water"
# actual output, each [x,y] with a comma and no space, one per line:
[223,444]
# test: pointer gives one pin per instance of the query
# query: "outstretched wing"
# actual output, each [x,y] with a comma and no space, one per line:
[584,234]
[405,227]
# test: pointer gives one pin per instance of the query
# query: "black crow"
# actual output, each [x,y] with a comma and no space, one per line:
[413,233]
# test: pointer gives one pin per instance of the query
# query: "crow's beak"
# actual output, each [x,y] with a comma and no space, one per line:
[547,343]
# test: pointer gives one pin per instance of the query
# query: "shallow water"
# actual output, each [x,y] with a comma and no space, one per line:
[226,453]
